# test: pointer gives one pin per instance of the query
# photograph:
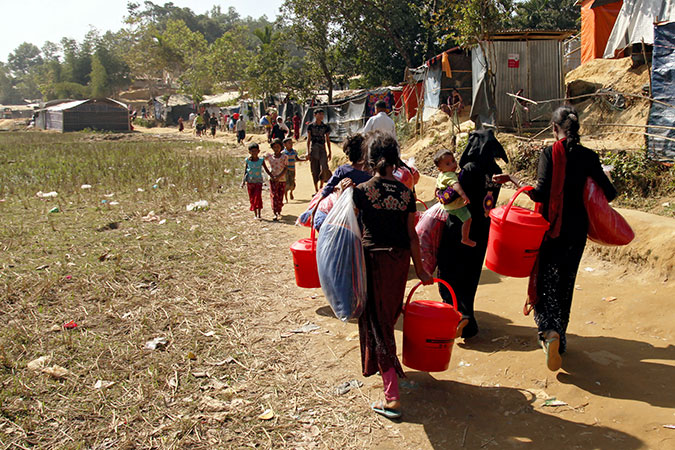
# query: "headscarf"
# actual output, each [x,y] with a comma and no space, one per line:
[482,149]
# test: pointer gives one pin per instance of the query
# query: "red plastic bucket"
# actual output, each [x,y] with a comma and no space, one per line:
[429,329]
[515,237]
[304,262]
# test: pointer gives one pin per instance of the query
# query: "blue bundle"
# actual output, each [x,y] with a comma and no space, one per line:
[340,260]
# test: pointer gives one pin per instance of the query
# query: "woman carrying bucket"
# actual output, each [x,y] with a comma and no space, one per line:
[389,240]
[563,170]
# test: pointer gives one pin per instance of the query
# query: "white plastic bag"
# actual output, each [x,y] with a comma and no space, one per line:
[340,259]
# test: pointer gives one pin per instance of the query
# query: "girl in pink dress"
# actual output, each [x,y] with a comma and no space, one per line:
[277,163]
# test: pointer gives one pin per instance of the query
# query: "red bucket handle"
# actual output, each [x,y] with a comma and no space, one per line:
[436,280]
[513,199]
[423,204]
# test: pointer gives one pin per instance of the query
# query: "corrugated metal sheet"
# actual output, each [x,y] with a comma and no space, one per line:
[100,114]
[538,73]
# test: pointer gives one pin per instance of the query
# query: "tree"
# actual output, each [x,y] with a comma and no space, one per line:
[263,71]
[314,25]
[547,15]
[23,58]
[99,78]
[229,57]
[8,93]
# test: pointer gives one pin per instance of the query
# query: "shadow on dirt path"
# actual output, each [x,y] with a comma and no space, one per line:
[460,415]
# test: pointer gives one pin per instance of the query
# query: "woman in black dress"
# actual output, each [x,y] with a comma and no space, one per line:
[563,170]
[458,264]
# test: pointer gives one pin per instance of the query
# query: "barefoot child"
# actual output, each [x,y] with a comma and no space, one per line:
[277,171]
[293,156]
[253,179]
[451,194]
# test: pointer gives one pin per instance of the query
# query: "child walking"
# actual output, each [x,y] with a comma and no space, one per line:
[292,156]
[450,192]
[277,171]
[253,179]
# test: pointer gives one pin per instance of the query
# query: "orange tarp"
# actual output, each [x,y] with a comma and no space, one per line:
[596,26]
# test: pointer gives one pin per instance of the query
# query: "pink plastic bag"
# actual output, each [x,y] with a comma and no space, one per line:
[409,176]
[605,225]
[430,230]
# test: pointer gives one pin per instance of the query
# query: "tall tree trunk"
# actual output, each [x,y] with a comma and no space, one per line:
[329,79]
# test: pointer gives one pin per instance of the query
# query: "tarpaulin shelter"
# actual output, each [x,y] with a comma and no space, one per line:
[663,90]
[635,23]
[96,114]
[169,109]
[531,60]
[597,21]
[350,115]
[447,71]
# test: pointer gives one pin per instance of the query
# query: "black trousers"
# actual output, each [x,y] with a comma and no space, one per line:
[558,265]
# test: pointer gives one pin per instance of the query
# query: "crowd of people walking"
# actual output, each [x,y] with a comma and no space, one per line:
[471,182]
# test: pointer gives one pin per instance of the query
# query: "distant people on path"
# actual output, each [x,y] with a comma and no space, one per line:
[563,170]
[279,130]
[277,162]
[181,125]
[318,148]
[296,126]
[240,128]
[381,120]
[387,209]
[200,124]
[292,156]
[213,123]
[459,264]
[253,179]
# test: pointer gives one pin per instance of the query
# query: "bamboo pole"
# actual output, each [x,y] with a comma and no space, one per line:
[664,127]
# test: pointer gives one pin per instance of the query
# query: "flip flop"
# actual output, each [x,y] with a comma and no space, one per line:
[389,413]
[551,346]
[464,321]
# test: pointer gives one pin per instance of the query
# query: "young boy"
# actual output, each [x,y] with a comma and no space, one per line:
[450,193]
[253,179]
[293,156]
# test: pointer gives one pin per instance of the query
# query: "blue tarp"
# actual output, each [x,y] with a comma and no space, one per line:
[432,91]
[663,89]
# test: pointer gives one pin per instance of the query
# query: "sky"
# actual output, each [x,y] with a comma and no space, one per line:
[50,20]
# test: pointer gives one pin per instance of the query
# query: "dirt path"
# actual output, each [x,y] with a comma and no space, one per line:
[616,381]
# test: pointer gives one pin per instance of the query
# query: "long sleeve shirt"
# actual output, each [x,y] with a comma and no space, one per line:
[581,164]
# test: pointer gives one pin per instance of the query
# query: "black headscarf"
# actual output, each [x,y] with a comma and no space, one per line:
[483,148]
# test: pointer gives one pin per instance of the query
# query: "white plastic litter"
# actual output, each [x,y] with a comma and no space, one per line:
[201,205]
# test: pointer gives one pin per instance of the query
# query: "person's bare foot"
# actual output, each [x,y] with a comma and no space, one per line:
[291,195]
[469,242]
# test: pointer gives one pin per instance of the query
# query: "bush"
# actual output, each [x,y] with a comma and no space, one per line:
[147,123]
[525,159]
[635,175]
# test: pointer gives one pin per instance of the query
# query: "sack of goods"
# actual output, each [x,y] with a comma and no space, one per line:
[340,259]
[605,225]
[430,230]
